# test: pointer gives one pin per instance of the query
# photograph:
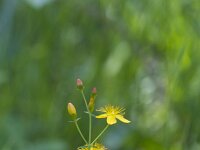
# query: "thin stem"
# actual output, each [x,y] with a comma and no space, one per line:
[90,117]
[100,134]
[80,132]
[83,95]
[90,127]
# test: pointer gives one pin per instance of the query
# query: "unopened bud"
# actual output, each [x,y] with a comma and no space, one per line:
[94,92]
[79,84]
[91,104]
[92,99]
[71,110]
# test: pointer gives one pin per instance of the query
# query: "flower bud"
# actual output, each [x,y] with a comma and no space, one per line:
[71,110]
[91,104]
[79,84]
[92,99]
[94,92]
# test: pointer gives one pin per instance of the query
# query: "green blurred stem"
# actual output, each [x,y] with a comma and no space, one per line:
[80,132]
[90,117]
[100,134]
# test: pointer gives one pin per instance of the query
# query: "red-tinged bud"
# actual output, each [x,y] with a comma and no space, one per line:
[72,110]
[79,84]
[94,92]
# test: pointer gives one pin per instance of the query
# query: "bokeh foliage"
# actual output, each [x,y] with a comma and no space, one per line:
[140,54]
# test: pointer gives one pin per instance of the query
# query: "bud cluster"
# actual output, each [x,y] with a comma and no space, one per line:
[71,108]
[109,112]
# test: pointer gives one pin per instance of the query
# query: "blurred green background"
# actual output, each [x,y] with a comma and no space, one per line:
[140,54]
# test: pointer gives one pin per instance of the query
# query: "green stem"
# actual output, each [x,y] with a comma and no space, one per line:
[90,117]
[90,128]
[80,132]
[83,95]
[100,134]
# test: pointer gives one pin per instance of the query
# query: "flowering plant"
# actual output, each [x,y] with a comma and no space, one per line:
[111,113]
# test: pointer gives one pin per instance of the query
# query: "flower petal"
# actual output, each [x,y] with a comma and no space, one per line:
[122,119]
[102,109]
[111,120]
[102,116]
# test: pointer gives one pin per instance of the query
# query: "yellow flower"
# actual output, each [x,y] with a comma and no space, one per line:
[111,113]
[96,146]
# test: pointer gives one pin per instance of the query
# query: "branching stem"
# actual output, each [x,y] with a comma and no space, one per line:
[100,134]
[80,132]
[90,119]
